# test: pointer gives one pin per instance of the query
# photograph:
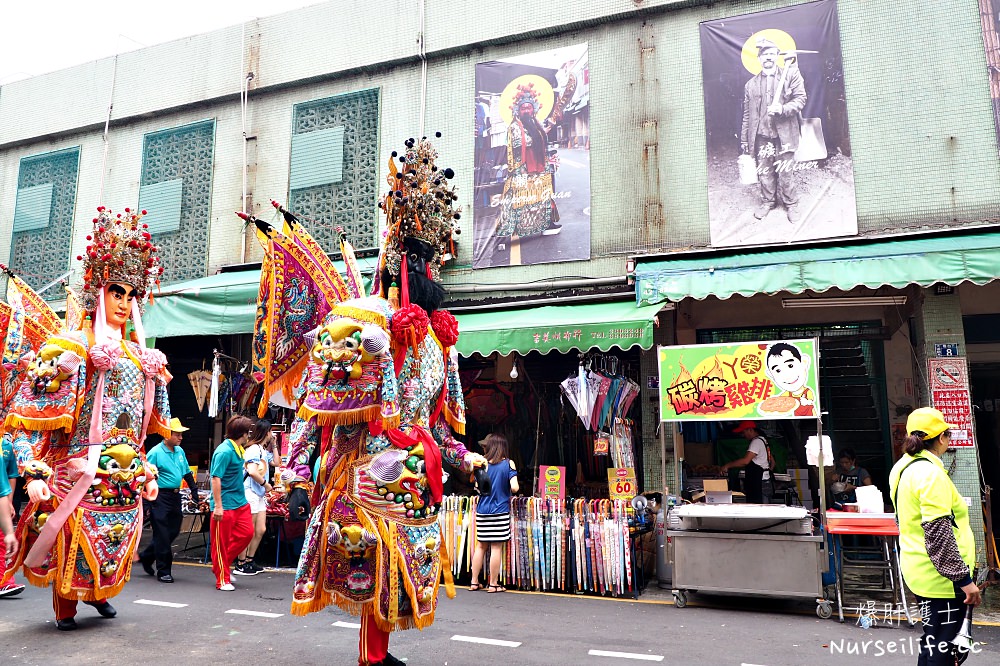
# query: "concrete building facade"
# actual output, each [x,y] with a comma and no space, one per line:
[922,137]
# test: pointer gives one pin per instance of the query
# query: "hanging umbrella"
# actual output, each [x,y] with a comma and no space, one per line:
[213,400]
[583,397]
[201,383]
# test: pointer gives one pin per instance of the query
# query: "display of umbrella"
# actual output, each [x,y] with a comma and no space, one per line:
[562,545]
[201,384]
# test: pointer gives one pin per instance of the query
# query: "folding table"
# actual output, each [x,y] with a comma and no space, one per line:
[881,559]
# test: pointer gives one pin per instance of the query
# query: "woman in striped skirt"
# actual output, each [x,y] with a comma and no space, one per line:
[493,511]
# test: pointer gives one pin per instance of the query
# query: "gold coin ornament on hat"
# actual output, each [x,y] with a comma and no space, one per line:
[527,88]
[779,38]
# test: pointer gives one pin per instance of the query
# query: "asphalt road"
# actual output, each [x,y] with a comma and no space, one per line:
[532,628]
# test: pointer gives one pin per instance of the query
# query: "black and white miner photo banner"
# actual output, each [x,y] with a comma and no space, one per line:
[779,147]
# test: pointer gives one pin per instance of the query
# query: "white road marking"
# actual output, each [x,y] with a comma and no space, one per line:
[626,655]
[236,611]
[346,625]
[166,604]
[485,641]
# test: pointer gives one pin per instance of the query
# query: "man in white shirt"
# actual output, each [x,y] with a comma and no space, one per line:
[757,463]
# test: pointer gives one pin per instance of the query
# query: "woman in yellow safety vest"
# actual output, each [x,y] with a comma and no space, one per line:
[938,550]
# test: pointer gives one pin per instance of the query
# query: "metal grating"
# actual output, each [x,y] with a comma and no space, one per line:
[185,153]
[871,330]
[40,256]
[352,202]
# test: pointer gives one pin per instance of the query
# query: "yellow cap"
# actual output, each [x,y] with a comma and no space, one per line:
[927,420]
[175,425]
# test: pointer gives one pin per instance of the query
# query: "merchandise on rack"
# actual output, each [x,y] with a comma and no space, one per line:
[601,396]
[556,545]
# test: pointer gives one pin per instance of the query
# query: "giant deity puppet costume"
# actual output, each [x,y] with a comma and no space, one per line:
[78,423]
[378,398]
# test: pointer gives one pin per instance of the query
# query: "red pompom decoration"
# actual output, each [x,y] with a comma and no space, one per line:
[445,327]
[144,212]
[409,325]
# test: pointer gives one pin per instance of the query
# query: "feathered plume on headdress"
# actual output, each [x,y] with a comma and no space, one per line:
[120,250]
[526,94]
[420,205]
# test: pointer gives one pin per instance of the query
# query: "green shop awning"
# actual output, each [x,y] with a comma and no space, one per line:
[896,263]
[559,328]
[221,304]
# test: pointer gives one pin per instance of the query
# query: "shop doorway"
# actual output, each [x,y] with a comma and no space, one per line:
[984,383]
[852,389]
[532,412]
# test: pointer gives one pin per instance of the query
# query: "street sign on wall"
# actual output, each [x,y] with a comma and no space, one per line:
[949,380]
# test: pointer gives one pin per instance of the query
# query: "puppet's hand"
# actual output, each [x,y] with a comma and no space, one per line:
[38,491]
[475,460]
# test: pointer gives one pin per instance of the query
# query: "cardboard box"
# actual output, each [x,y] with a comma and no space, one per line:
[716,492]
[716,497]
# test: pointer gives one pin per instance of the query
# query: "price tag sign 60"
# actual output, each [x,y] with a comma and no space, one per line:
[621,483]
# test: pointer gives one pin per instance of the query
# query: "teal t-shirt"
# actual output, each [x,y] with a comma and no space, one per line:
[172,465]
[227,465]
[9,459]
[6,455]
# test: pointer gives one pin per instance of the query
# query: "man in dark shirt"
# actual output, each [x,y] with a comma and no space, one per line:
[772,101]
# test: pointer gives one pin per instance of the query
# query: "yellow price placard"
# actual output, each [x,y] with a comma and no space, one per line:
[621,484]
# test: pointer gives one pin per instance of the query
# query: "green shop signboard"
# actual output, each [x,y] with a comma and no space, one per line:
[747,380]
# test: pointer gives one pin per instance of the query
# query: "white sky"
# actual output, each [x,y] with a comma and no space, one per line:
[41,36]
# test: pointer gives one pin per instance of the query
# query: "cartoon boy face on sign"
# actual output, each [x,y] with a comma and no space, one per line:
[788,368]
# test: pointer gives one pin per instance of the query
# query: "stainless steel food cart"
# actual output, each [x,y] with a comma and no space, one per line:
[749,550]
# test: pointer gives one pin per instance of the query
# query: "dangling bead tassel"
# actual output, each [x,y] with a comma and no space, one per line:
[393,296]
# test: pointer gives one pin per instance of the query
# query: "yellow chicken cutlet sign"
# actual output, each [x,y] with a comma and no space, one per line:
[748,380]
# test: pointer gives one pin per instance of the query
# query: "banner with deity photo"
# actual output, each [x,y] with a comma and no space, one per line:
[779,148]
[532,159]
[746,380]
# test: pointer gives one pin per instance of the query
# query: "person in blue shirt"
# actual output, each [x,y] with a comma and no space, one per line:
[493,511]
[165,511]
[8,470]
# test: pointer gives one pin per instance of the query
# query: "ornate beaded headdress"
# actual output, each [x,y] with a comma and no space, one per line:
[120,250]
[420,205]
[526,94]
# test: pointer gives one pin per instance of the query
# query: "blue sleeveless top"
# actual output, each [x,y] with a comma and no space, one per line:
[498,501]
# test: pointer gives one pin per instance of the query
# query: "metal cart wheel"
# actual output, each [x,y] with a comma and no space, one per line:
[680,599]
[824,610]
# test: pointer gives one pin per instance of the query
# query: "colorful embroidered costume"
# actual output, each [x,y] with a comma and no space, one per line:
[372,544]
[527,206]
[49,422]
[78,423]
[378,400]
